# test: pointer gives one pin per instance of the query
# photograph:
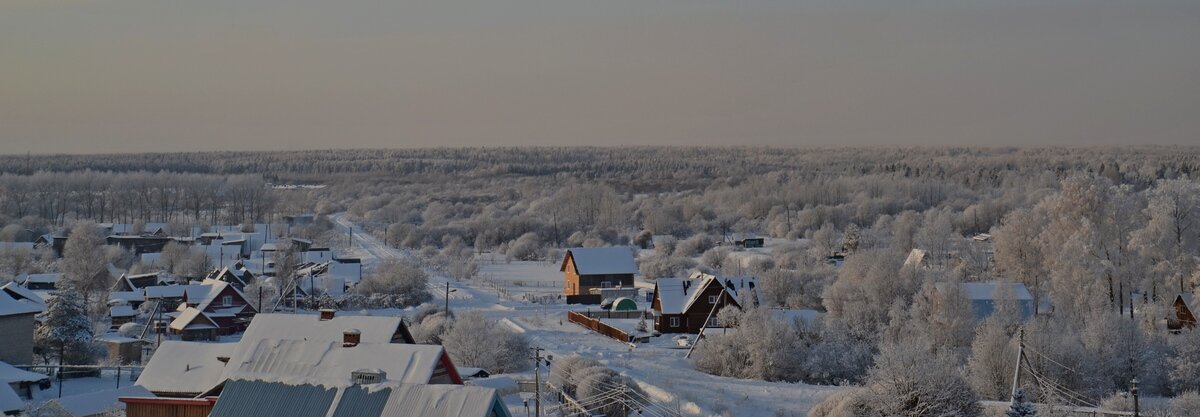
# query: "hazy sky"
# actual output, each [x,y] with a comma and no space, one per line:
[166,75]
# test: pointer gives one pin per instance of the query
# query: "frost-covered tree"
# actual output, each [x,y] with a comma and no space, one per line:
[866,287]
[762,347]
[1184,362]
[398,278]
[477,341]
[84,263]
[910,380]
[1018,256]
[993,356]
[65,328]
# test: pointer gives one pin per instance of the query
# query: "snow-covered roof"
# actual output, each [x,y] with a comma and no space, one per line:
[18,292]
[674,300]
[126,296]
[602,261]
[97,402]
[986,291]
[375,329]
[1190,301]
[122,311]
[916,258]
[11,307]
[275,399]
[183,368]
[42,278]
[192,318]
[327,362]
[9,401]
[10,374]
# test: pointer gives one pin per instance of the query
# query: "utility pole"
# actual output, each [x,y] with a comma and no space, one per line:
[448,291]
[537,381]
[350,233]
[1134,390]
[1017,370]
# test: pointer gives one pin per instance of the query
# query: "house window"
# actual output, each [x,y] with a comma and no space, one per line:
[606,284]
[712,322]
[712,299]
[674,321]
[227,300]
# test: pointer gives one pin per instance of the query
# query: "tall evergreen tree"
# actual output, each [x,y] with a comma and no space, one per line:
[65,328]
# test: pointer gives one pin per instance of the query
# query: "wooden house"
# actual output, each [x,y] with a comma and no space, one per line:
[1186,309]
[54,242]
[588,269]
[220,309]
[686,305]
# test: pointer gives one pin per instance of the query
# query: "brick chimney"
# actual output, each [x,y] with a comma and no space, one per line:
[351,338]
[327,314]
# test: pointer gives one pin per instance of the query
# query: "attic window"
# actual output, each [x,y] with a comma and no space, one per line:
[227,300]
[712,299]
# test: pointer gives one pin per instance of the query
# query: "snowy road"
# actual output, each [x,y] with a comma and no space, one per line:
[664,374]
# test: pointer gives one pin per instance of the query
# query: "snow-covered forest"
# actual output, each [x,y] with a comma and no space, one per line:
[877,239]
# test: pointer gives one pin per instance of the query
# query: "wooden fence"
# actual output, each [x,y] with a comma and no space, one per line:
[605,314]
[599,327]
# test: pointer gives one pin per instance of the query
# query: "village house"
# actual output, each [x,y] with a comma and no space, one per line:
[986,297]
[188,369]
[586,270]
[91,404]
[41,282]
[55,242]
[16,325]
[686,305]
[236,275]
[217,309]
[1185,310]
[19,293]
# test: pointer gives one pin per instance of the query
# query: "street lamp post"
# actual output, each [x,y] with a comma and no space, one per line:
[1134,390]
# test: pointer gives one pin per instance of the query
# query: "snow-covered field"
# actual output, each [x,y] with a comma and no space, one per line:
[661,370]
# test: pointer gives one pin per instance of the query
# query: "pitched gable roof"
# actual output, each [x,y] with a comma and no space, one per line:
[192,319]
[319,361]
[601,261]
[13,307]
[185,368]
[374,329]
[277,399]
[18,293]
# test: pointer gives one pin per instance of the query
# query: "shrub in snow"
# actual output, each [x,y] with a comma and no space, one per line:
[130,329]
[587,379]
[849,402]
[1186,404]
[909,380]
[715,258]
[1119,401]
[525,248]
[762,347]
[432,327]
[405,282]
[655,267]
[1020,407]
[694,245]
[477,341]
[989,368]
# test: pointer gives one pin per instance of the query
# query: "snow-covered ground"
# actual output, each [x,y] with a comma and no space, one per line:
[661,370]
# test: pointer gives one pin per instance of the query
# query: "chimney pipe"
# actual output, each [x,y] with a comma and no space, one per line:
[351,338]
[327,314]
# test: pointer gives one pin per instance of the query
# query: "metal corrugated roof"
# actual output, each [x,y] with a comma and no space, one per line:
[603,261]
[264,399]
